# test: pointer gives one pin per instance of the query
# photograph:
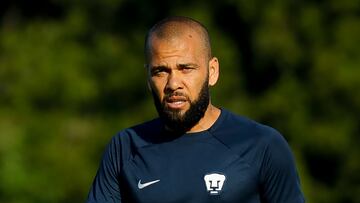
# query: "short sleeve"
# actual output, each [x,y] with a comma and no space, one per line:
[279,179]
[105,187]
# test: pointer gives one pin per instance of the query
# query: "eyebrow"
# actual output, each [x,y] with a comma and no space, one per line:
[158,67]
[188,65]
[181,65]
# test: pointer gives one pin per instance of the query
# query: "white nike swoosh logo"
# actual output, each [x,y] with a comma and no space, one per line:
[143,185]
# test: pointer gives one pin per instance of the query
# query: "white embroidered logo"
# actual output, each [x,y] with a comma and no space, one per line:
[214,182]
[143,185]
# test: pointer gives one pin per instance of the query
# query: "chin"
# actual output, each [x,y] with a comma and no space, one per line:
[181,110]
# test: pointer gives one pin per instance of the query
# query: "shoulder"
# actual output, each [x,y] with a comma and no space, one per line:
[129,139]
[240,129]
[259,145]
[266,152]
[140,134]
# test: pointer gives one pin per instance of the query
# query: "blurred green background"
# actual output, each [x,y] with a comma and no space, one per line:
[71,76]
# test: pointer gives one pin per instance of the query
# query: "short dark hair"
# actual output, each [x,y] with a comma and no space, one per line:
[168,28]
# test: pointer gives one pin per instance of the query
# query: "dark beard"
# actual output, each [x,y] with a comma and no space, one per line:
[183,123]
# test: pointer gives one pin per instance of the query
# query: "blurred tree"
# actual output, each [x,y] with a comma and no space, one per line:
[71,76]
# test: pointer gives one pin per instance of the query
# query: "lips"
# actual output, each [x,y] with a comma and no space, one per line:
[176,102]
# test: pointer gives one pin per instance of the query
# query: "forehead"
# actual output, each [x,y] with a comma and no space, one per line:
[186,43]
[174,51]
[158,45]
[175,29]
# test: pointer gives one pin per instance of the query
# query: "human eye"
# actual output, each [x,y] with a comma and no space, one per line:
[187,68]
[158,70]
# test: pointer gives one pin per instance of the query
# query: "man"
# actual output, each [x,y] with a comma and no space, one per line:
[194,152]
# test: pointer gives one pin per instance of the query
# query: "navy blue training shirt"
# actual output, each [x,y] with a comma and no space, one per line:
[236,160]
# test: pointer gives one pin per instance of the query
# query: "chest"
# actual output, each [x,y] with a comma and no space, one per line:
[198,172]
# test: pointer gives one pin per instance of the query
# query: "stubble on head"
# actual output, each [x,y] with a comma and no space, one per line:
[170,30]
[175,27]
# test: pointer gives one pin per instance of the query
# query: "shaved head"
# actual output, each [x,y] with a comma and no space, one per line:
[176,27]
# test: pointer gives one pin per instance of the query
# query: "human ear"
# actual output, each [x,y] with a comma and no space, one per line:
[213,71]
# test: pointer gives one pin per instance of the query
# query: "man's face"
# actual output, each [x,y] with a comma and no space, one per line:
[178,78]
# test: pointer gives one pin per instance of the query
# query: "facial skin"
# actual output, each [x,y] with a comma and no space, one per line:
[179,76]
[174,119]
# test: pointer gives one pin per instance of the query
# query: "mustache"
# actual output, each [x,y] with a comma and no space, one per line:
[177,94]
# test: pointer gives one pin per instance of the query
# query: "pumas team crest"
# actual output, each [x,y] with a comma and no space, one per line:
[214,183]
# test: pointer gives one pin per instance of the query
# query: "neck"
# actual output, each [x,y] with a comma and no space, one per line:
[212,113]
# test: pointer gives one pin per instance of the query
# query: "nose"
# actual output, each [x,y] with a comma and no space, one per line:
[173,82]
